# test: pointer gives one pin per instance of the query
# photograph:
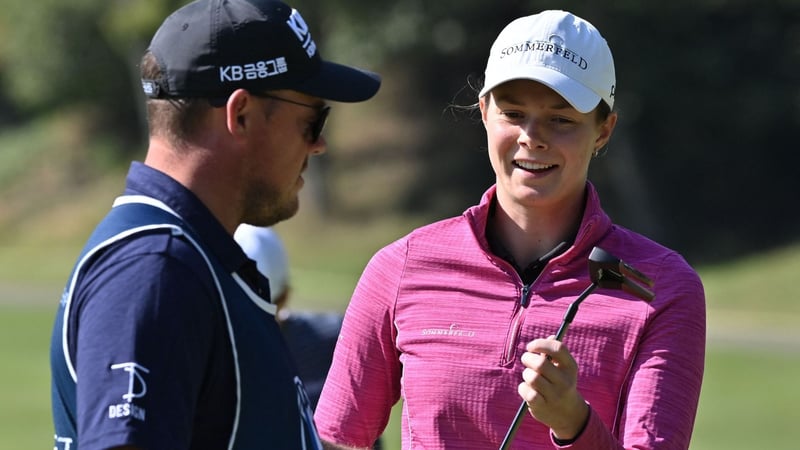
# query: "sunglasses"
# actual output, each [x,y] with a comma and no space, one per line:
[317,125]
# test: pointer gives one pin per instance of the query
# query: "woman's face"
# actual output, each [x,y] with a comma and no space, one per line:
[539,145]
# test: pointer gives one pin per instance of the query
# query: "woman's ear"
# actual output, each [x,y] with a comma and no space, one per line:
[483,106]
[606,129]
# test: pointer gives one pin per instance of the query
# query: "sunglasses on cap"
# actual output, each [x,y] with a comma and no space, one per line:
[317,125]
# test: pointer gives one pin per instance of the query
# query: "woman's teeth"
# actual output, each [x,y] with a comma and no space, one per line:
[532,166]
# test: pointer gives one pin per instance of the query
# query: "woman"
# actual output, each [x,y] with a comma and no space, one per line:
[455,317]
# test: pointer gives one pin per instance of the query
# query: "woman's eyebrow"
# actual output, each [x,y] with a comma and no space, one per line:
[511,100]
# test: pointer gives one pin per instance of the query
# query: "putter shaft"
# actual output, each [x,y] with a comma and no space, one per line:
[562,330]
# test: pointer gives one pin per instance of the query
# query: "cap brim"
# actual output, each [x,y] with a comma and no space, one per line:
[579,96]
[341,83]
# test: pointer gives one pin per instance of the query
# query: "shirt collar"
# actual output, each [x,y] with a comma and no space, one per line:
[594,225]
[530,272]
[145,180]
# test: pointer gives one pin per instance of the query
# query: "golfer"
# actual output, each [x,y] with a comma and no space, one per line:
[454,318]
[310,335]
[165,337]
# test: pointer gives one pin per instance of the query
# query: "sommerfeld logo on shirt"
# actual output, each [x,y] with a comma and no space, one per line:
[453,330]
[137,388]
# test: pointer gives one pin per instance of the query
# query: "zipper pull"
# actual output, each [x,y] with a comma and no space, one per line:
[525,299]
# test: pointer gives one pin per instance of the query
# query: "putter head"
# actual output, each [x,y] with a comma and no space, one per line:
[608,271]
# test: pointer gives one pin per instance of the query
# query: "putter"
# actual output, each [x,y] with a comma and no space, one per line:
[607,271]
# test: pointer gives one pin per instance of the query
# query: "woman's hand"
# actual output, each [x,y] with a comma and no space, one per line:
[550,388]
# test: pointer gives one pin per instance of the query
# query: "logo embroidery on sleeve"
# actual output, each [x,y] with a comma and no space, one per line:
[137,388]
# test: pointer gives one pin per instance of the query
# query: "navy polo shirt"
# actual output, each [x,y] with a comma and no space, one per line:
[152,300]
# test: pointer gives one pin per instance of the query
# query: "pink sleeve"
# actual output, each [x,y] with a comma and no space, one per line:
[364,380]
[663,389]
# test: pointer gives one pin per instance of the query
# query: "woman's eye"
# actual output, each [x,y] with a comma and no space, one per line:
[512,114]
[562,120]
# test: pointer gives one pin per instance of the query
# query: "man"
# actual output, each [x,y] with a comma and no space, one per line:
[310,335]
[165,337]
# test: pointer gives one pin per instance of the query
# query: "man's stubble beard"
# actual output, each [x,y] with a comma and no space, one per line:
[265,206]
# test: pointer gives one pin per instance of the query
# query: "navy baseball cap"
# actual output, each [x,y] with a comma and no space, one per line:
[209,48]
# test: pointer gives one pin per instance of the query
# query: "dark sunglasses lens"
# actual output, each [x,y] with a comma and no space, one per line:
[319,124]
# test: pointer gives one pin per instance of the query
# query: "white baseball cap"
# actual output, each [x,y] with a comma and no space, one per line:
[559,50]
[263,245]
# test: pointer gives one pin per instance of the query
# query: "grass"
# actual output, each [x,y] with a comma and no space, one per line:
[749,401]
[24,377]
[761,282]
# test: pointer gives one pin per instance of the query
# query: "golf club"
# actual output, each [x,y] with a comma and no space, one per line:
[607,271]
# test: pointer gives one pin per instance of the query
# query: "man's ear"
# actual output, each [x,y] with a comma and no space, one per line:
[239,106]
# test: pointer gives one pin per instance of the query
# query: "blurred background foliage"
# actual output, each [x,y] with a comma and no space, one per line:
[702,160]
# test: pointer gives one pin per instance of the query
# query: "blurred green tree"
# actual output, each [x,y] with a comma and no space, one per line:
[79,53]
[708,96]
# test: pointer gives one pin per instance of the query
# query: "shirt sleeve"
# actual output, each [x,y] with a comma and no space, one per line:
[663,389]
[364,380]
[144,323]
